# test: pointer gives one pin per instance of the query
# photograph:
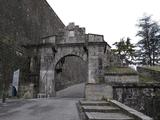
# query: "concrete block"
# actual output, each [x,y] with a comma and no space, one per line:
[98,91]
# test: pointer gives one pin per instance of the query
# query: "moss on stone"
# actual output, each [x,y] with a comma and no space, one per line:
[156,68]
[120,70]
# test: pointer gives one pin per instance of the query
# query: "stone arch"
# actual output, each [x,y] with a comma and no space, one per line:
[76,51]
[72,40]
[67,55]
[58,68]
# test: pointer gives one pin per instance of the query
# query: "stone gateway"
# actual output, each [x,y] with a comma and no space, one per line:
[70,41]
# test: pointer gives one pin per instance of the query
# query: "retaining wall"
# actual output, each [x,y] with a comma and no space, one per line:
[142,97]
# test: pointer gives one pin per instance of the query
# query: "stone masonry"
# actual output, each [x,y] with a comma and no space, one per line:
[70,41]
[143,97]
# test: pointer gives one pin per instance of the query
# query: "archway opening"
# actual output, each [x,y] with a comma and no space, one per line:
[71,73]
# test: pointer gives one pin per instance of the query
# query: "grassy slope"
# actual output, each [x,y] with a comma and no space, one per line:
[156,68]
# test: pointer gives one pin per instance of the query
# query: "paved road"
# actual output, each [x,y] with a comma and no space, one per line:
[40,109]
[74,91]
[61,108]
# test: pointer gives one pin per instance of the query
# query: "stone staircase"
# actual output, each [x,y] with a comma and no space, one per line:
[111,110]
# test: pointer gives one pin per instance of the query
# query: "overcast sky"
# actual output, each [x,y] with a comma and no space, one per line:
[112,18]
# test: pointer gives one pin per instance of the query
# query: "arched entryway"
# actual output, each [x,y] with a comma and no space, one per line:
[71,73]
[71,41]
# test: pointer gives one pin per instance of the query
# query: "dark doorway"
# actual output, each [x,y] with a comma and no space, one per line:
[70,76]
[14,91]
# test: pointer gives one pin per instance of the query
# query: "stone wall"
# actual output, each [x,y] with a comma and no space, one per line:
[123,78]
[98,91]
[71,41]
[47,73]
[149,73]
[142,97]
[97,48]
[71,34]
[26,21]
[27,91]
[114,74]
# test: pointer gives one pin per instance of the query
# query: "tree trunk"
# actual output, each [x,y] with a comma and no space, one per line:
[3,96]
[3,87]
[5,76]
[153,60]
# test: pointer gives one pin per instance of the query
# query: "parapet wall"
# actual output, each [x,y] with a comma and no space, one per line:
[142,97]
[120,75]
[121,78]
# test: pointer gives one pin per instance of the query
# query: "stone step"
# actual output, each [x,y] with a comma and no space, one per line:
[111,110]
[94,103]
[107,116]
[108,109]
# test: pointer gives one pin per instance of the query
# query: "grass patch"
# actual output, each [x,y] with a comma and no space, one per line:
[120,70]
[144,79]
[156,68]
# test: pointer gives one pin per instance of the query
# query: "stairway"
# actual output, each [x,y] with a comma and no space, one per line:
[102,110]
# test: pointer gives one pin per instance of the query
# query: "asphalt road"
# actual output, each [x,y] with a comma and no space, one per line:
[74,91]
[40,109]
[63,107]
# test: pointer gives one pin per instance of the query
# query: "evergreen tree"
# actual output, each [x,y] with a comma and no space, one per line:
[125,49]
[149,44]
